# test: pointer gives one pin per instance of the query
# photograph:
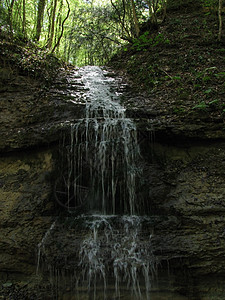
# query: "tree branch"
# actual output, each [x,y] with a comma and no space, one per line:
[59,39]
[220,19]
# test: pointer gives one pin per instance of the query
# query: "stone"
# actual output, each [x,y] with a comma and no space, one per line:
[184,183]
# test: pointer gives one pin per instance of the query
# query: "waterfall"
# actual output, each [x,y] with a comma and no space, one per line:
[97,182]
[103,152]
[115,246]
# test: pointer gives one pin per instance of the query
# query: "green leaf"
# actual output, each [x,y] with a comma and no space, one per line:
[202,105]
[206,78]
[208,91]
[7,284]
[214,101]
[220,75]
[176,77]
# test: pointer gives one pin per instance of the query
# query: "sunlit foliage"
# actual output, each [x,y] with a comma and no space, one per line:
[84,31]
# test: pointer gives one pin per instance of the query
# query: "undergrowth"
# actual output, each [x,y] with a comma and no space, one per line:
[29,60]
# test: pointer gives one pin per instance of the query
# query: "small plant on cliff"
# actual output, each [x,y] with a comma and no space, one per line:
[145,41]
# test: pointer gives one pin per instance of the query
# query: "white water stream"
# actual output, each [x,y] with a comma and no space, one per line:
[103,150]
[117,252]
[102,160]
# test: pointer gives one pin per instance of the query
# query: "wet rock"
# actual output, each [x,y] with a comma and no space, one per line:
[32,116]
[183,179]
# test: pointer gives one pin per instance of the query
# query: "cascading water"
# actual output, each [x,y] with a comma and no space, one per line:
[99,174]
[115,252]
[103,152]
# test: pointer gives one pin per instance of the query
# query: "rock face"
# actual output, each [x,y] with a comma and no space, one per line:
[32,116]
[25,207]
[187,189]
[184,184]
[32,121]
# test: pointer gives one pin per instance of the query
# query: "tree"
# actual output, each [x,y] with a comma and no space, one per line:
[10,10]
[127,18]
[40,16]
[52,24]
[220,19]
[62,29]
[135,19]
[120,13]
[132,13]
[24,18]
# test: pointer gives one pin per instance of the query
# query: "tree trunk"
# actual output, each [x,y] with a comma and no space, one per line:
[135,19]
[52,26]
[24,19]
[164,5]
[10,9]
[153,6]
[220,19]
[122,16]
[62,28]
[40,16]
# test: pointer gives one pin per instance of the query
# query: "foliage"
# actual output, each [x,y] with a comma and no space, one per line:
[89,31]
[181,4]
[29,60]
[215,104]
[145,41]
[92,38]
[209,5]
[3,16]
[201,105]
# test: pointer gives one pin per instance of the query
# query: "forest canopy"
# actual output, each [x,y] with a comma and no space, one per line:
[88,31]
